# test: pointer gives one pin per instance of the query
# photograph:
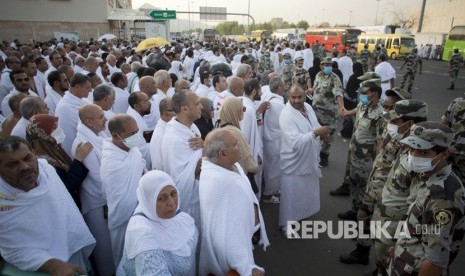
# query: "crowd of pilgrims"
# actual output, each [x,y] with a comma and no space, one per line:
[125,133]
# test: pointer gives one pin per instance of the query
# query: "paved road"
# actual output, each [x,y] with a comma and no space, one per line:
[320,256]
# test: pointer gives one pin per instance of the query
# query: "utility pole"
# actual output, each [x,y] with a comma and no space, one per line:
[422,14]
[377,10]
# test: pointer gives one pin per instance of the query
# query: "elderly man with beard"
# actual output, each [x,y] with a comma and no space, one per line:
[182,150]
[301,139]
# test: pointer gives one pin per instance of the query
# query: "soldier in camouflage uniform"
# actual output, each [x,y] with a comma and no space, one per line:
[392,96]
[316,49]
[400,119]
[374,57]
[435,219]
[364,142]
[455,119]
[352,53]
[288,73]
[365,56]
[454,67]
[412,60]
[384,51]
[322,51]
[301,76]
[265,64]
[327,103]
[252,61]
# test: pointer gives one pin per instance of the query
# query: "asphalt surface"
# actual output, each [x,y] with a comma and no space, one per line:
[321,256]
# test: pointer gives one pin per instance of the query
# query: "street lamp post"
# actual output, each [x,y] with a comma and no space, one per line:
[189,9]
[177,18]
[248,18]
[377,9]
[350,18]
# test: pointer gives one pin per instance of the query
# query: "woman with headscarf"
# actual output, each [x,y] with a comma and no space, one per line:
[314,69]
[350,99]
[231,113]
[160,239]
[45,137]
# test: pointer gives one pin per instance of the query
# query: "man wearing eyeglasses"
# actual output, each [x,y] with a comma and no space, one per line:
[20,82]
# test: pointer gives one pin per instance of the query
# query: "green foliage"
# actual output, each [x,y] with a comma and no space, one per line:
[230,28]
[324,25]
[303,24]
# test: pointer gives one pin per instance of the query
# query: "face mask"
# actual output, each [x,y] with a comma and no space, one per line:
[392,130]
[287,62]
[363,99]
[327,70]
[59,135]
[132,141]
[420,164]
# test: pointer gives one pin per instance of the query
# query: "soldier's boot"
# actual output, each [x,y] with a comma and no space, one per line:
[348,215]
[324,159]
[343,190]
[451,87]
[359,256]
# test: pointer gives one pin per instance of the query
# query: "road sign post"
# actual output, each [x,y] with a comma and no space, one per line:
[162,14]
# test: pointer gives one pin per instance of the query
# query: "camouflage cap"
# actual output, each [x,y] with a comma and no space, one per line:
[426,135]
[410,108]
[266,53]
[326,60]
[366,85]
[299,58]
[287,56]
[401,93]
[369,76]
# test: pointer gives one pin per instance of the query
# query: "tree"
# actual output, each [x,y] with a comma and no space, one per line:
[324,25]
[303,24]
[230,28]
[400,18]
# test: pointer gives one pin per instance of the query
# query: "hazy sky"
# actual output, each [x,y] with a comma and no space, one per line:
[332,11]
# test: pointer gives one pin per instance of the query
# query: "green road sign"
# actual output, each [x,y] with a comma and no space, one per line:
[162,14]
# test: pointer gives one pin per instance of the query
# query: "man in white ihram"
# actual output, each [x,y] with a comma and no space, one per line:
[41,228]
[93,202]
[301,138]
[121,169]
[182,150]
[230,212]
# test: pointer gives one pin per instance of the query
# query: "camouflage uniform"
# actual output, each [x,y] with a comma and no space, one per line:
[301,77]
[252,61]
[412,60]
[389,181]
[439,206]
[455,118]
[374,58]
[352,54]
[326,89]
[316,50]
[435,218]
[365,56]
[384,51]
[322,51]
[362,148]
[265,64]
[455,61]
[288,73]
